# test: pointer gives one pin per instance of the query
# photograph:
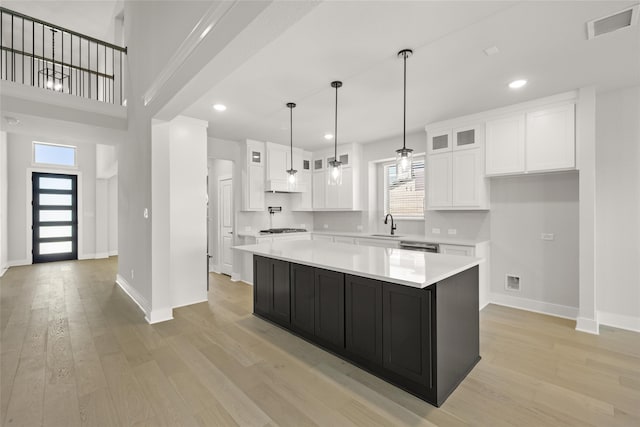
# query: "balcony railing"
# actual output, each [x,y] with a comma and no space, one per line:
[40,54]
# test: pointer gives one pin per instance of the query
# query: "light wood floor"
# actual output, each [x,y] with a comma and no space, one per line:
[76,351]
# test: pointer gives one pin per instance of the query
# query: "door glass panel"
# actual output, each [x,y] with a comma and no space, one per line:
[55,247]
[466,137]
[255,156]
[344,158]
[55,199]
[440,142]
[55,231]
[46,216]
[317,164]
[55,183]
[305,165]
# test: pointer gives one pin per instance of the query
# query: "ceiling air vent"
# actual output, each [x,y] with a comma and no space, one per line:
[608,24]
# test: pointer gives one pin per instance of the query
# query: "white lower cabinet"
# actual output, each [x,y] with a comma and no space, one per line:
[457,250]
[344,239]
[382,243]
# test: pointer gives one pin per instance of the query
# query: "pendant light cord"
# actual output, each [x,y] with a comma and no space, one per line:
[404,111]
[335,133]
[291,133]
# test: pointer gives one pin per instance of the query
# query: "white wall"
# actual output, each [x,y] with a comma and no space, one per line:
[102,218]
[618,208]
[113,215]
[522,208]
[3,202]
[372,216]
[19,156]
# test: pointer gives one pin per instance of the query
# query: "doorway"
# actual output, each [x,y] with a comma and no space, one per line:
[221,215]
[225,219]
[55,217]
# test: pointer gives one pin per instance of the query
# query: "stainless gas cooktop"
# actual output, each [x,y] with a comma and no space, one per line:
[283,230]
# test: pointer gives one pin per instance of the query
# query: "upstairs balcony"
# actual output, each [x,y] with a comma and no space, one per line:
[50,75]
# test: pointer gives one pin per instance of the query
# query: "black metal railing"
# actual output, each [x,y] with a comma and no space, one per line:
[40,54]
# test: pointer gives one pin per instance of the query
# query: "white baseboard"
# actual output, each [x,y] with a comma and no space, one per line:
[101,255]
[18,263]
[630,323]
[557,310]
[113,253]
[3,270]
[590,326]
[236,277]
[133,294]
[184,304]
[215,269]
[82,257]
[161,315]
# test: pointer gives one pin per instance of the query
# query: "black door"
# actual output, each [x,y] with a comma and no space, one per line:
[363,318]
[55,217]
[302,298]
[407,332]
[329,308]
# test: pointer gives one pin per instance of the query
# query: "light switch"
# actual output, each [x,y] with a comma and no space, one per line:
[435,231]
[452,231]
[547,236]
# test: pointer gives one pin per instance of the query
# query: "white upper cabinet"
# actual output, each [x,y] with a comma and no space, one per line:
[550,140]
[253,176]
[538,139]
[467,137]
[345,196]
[468,186]
[505,145]
[439,141]
[303,201]
[439,180]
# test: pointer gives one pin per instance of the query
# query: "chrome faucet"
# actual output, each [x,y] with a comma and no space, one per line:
[393,226]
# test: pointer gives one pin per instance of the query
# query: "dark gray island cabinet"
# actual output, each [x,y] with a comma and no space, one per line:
[423,340]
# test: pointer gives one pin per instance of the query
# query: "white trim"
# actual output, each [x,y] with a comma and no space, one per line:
[215,269]
[18,263]
[101,255]
[551,309]
[113,253]
[86,256]
[236,277]
[589,326]
[161,315]
[3,270]
[622,321]
[133,294]
[205,26]
[184,304]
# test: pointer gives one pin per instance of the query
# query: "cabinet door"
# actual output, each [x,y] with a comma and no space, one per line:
[467,137]
[277,162]
[319,190]
[256,188]
[439,141]
[280,305]
[467,177]
[381,243]
[505,145]
[439,180]
[343,239]
[406,314]
[302,298]
[332,194]
[363,312]
[329,308]
[345,191]
[550,139]
[262,285]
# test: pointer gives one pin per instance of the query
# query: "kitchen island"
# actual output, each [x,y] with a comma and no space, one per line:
[408,317]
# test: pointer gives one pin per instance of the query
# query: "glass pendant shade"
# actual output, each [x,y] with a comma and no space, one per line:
[404,164]
[292,180]
[335,172]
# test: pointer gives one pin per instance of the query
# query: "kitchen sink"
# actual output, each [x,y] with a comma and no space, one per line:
[385,235]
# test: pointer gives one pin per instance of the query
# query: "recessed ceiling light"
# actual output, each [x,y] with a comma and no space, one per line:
[517,84]
[491,50]
[328,136]
[219,107]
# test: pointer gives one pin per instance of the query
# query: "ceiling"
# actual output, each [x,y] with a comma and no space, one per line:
[449,74]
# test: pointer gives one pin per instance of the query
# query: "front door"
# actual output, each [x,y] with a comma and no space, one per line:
[55,217]
[226,226]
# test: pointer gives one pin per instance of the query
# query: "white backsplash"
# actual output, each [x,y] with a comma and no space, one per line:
[286,218]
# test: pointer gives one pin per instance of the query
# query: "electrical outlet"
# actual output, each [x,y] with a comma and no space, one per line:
[359,228]
[325,226]
[435,231]
[303,225]
[547,236]
[452,231]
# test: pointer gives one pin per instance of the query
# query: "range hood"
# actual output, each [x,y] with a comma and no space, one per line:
[279,186]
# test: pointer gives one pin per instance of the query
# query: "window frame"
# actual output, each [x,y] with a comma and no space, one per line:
[56,165]
[385,189]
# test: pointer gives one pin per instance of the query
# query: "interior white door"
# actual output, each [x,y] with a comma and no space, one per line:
[226,226]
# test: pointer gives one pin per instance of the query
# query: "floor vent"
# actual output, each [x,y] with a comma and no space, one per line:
[512,283]
[608,24]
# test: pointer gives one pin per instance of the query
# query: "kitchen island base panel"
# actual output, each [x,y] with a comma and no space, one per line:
[430,336]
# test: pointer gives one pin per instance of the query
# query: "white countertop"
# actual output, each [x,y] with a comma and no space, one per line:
[410,268]
[363,235]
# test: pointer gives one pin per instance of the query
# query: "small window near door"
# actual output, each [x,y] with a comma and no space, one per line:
[404,199]
[54,154]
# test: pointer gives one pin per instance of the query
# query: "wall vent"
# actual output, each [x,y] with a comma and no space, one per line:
[512,282]
[610,23]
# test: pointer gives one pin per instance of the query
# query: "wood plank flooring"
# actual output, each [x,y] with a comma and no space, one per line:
[76,351]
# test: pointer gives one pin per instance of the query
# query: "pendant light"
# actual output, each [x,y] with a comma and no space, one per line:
[335,165]
[404,155]
[291,179]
